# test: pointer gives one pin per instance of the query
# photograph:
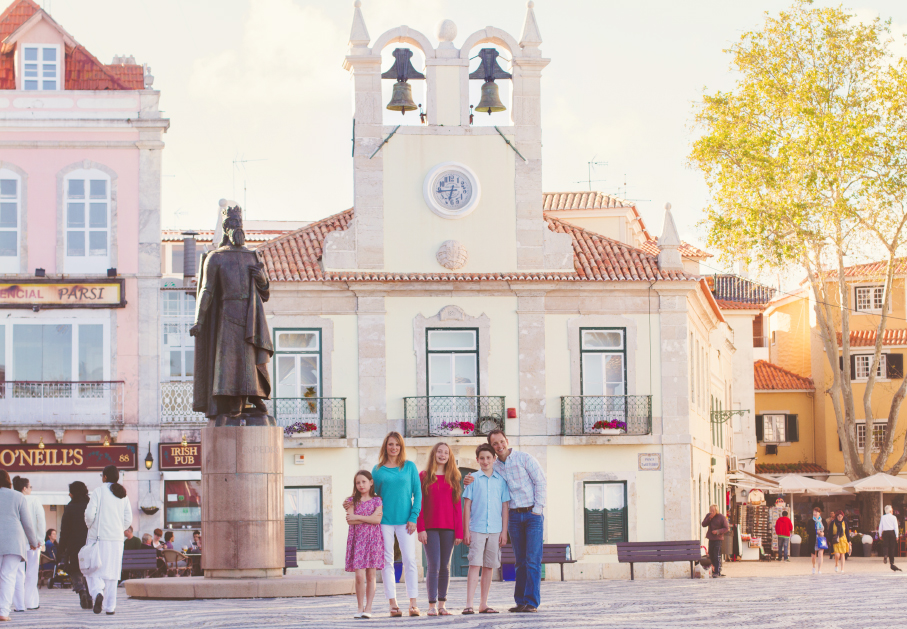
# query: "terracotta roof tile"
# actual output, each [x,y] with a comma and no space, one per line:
[85,72]
[206,235]
[554,201]
[132,76]
[686,250]
[790,468]
[296,257]
[876,269]
[11,19]
[770,377]
[867,338]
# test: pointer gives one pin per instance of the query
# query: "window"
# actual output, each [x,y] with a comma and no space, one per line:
[182,504]
[178,348]
[878,435]
[303,518]
[10,196]
[41,68]
[63,352]
[777,428]
[773,428]
[87,222]
[604,365]
[453,359]
[605,512]
[869,298]
[298,363]
[863,364]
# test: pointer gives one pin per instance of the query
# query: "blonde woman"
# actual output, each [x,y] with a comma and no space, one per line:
[440,524]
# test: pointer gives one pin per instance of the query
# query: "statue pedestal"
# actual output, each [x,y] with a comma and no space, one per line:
[242,502]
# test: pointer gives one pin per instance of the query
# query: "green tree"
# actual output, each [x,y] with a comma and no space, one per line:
[806,162]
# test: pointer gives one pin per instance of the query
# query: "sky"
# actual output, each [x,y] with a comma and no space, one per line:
[260,106]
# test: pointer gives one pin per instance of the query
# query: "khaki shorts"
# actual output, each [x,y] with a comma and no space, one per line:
[485,550]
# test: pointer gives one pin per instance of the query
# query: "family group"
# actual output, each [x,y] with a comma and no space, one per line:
[396,503]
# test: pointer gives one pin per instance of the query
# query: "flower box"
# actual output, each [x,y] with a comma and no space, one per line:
[611,431]
[458,429]
[300,429]
[610,427]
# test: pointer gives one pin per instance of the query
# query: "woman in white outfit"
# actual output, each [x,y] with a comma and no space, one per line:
[18,535]
[26,595]
[108,515]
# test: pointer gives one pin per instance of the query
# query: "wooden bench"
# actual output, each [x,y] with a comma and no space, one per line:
[289,558]
[551,553]
[659,552]
[143,560]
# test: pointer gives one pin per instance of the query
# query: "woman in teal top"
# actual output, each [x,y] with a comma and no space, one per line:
[397,482]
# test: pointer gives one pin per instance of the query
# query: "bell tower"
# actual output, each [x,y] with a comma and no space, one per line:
[451,182]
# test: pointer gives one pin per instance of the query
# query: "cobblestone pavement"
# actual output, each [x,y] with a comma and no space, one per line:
[831,601]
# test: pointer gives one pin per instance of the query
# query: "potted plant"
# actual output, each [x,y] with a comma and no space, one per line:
[610,426]
[300,429]
[458,428]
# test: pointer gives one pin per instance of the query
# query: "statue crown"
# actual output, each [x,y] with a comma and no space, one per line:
[232,212]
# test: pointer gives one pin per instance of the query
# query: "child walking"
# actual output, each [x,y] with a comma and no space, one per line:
[364,544]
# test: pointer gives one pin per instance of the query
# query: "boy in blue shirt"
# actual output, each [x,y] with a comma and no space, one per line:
[485,514]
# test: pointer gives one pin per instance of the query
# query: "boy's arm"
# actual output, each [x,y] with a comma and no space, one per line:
[467,507]
[505,518]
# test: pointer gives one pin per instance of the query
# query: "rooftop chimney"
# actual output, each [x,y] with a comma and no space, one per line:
[189,256]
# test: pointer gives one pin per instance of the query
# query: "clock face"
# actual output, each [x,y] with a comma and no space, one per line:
[452,190]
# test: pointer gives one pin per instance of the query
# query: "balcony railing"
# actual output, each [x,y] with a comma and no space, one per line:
[608,414]
[61,403]
[176,404]
[439,416]
[328,414]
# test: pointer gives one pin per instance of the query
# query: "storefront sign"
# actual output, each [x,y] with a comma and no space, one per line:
[106,293]
[649,462]
[176,456]
[67,457]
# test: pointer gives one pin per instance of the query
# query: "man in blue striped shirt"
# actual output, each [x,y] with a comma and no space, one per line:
[528,492]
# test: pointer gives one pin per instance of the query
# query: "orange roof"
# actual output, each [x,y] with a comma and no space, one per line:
[724,304]
[686,250]
[770,377]
[555,201]
[867,338]
[85,72]
[790,468]
[296,256]
[131,75]
[206,235]
[15,16]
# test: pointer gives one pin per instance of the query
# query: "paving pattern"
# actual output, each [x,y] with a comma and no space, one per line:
[831,601]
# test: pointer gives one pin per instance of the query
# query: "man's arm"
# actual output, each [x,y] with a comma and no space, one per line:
[505,519]
[706,520]
[539,485]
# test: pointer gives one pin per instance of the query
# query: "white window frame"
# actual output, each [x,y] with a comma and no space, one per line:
[87,263]
[862,363]
[10,264]
[878,434]
[876,294]
[452,353]
[41,79]
[177,324]
[296,354]
[74,369]
[771,424]
[605,353]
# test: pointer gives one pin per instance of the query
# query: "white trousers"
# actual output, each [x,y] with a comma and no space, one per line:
[408,554]
[9,568]
[107,587]
[33,563]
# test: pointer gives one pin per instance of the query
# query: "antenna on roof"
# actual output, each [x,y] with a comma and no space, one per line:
[242,162]
[591,164]
[622,195]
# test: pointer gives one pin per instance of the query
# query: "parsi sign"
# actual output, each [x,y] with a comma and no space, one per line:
[107,293]
[649,462]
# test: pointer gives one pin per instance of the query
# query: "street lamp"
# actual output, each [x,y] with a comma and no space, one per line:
[149,460]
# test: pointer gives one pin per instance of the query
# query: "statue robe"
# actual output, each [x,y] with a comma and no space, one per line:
[234,347]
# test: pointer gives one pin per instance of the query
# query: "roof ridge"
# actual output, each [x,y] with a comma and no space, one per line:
[304,228]
[599,236]
[102,66]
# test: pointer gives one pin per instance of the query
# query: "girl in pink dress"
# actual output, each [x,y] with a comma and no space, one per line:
[364,544]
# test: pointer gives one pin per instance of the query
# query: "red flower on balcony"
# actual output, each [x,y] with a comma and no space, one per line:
[299,427]
[609,423]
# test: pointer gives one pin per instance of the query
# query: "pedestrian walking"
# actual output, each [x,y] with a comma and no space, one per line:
[838,540]
[816,539]
[364,542]
[486,512]
[26,594]
[717,526]
[107,515]
[783,528]
[73,532]
[528,489]
[440,523]
[19,536]
[888,531]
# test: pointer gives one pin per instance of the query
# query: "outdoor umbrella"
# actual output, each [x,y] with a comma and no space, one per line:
[882,483]
[796,484]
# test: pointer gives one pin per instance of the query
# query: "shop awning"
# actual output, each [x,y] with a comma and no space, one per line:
[746,480]
[182,475]
[51,497]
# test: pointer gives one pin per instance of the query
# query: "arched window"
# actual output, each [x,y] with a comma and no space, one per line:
[87,221]
[11,195]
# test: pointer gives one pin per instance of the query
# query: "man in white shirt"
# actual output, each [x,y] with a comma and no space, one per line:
[888,531]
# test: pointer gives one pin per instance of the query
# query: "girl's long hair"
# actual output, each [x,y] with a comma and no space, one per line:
[112,476]
[79,491]
[356,494]
[401,458]
[451,472]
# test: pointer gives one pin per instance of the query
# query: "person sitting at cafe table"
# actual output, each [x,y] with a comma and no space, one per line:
[132,542]
[147,543]
[168,540]
[196,546]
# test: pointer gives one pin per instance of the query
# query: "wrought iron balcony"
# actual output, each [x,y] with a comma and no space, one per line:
[442,416]
[323,417]
[176,404]
[29,403]
[606,414]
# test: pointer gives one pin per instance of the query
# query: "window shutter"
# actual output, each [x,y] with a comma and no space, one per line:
[841,364]
[615,525]
[792,429]
[895,366]
[291,531]
[595,526]
[760,431]
[853,366]
[310,532]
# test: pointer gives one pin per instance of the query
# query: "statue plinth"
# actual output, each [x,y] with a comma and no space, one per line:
[242,501]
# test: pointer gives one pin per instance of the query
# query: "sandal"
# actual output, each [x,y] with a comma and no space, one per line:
[396,612]
[432,612]
[488,610]
[443,612]
[467,611]
[414,611]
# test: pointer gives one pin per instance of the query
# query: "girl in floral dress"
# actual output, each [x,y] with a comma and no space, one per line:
[364,544]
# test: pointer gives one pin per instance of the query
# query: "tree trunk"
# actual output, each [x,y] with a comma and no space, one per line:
[870,512]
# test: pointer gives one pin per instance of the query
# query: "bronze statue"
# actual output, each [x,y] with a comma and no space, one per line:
[232,339]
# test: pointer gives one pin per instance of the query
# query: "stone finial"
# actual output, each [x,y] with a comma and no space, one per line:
[452,255]
[669,244]
[531,37]
[359,36]
[447,31]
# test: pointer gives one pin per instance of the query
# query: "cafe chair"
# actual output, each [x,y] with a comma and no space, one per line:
[172,559]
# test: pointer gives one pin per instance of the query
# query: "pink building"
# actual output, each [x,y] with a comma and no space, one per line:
[80,268]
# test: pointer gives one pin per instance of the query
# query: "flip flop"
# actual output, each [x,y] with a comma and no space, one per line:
[488,610]
[396,612]
[467,611]
[443,612]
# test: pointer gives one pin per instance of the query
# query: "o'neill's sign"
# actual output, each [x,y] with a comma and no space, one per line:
[67,457]
[94,293]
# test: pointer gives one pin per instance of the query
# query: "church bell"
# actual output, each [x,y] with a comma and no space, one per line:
[402,98]
[403,71]
[489,71]
[490,101]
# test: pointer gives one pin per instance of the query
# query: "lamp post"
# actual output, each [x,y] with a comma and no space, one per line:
[149,460]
